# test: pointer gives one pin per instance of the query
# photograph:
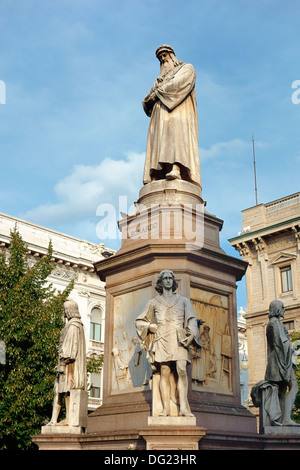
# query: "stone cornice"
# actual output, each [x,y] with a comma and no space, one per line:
[282,226]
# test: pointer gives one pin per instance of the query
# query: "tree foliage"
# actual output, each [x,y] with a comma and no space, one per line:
[94,363]
[31,319]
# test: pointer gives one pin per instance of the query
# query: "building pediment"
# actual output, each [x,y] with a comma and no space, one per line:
[283,257]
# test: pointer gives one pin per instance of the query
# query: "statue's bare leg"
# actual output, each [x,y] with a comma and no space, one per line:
[57,402]
[65,421]
[182,385]
[289,401]
[164,387]
[282,388]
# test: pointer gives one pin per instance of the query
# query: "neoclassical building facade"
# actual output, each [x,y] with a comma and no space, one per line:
[270,243]
[73,260]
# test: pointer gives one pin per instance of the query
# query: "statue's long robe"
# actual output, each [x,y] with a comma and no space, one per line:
[173,129]
[280,352]
[174,320]
[72,352]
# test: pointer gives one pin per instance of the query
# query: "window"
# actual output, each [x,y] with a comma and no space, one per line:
[95,392]
[286,279]
[95,325]
[95,385]
[95,331]
[290,325]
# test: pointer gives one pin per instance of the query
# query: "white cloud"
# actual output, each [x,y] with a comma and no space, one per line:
[230,152]
[80,193]
[233,147]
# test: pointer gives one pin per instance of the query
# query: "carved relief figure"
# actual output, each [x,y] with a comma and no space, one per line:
[204,360]
[212,366]
[166,328]
[131,370]
[130,363]
[226,356]
[120,366]
[172,144]
[209,361]
[139,366]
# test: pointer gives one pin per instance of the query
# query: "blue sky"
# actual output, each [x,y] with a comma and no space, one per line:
[73,131]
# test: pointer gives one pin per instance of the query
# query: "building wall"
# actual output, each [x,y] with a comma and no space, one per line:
[73,260]
[243,355]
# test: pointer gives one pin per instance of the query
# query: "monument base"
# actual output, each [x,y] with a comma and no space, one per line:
[282,430]
[57,429]
[172,437]
[158,237]
[172,421]
[162,438]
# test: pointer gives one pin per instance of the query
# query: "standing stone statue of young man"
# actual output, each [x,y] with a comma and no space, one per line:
[71,368]
[172,144]
[166,328]
[280,367]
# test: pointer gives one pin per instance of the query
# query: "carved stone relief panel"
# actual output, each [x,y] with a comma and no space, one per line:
[131,370]
[212,366]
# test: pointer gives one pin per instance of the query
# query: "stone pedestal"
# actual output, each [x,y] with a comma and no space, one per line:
[56,429]
[78,408]
[77,415]
[178,435]
[283,431]
[172,433]
[170,421]
[171,229]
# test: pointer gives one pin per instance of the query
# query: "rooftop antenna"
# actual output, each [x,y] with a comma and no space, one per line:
[253,147]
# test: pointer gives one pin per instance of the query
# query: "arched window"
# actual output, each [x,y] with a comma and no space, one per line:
[96,324]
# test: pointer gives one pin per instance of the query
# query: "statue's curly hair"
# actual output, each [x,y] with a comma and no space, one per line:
[71,308]
[159,287]
[276,308]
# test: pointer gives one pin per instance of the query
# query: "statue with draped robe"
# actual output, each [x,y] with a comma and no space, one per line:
[172,143]
[71,370]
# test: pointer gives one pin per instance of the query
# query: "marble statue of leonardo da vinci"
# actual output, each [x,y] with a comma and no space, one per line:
[172,143]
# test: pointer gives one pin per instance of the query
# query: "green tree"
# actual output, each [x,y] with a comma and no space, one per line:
[31,319]
[94,363]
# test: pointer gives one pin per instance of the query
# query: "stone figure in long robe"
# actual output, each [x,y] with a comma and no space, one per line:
[172,143]
[71,368]
[280,369]
[166,328]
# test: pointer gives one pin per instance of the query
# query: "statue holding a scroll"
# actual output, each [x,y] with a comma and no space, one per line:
[166,328]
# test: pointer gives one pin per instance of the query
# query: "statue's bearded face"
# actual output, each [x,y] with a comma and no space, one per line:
[166,61]
[164,57]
